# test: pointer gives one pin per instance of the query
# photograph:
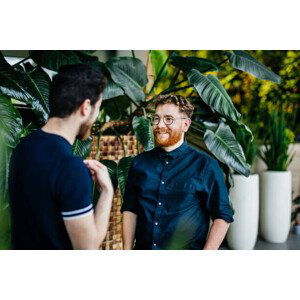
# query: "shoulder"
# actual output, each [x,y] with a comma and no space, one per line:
[144,157]
[201,156]
[72,163]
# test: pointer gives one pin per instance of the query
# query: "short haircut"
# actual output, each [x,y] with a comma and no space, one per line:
[71,86]
[184,105]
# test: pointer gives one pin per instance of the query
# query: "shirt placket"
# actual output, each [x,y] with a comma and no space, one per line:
[160,203]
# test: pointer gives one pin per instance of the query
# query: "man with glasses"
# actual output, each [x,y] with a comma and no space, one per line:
[174,190]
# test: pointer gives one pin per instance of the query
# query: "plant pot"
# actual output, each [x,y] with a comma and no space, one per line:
[242,233]
[276,204]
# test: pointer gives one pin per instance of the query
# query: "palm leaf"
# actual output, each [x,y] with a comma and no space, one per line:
[241,60]
[82,148]
[130,74]
[123,169]
[143,132]
[225,147]
[190,62]
[112,168]
[214,94]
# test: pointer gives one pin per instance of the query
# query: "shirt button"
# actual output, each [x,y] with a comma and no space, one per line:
[163,182]
[159,203]
[156,223]
[167,162]
[154,245]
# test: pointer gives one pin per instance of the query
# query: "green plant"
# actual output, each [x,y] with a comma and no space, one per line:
[277,139]
[296,212]
[129,91]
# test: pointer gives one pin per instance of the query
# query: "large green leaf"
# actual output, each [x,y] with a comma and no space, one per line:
[82,148]
[214,94]
[54,59]
[112,90]
[241,60]
[123,169]
[158,58]
[188,63]
[11,124]
[21,86]
[130,74]
[116,108]
[5,226]
[112,168]
[225,148]
[143,131]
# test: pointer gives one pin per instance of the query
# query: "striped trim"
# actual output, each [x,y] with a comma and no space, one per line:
[74,212]
[79,216]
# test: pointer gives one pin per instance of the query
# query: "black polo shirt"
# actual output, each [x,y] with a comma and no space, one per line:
[47,184]
[174,195]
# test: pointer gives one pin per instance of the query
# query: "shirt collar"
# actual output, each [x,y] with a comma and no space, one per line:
[174,153]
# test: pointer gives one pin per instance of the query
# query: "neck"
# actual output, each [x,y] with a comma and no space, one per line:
[62,127]
[173,147]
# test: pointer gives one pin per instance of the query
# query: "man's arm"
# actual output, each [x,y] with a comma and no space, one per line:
[88,232]
[216,234]
[128,228]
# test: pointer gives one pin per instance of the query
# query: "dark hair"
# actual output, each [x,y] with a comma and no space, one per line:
[71,86]
[184,105]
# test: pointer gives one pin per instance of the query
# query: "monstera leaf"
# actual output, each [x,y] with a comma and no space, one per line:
[82,148]
[223,144]
[116,108]
[143,132]
[54,59]
[241,60]
[214,94]
[130,74]
[190,62]
[123,169]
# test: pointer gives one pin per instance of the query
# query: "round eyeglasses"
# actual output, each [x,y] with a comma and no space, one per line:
[168,120]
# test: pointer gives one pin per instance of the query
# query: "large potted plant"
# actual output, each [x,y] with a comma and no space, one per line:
[131,90]
[244,196]
[276,182]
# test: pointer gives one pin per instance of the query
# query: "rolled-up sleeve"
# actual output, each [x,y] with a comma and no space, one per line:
[130,194]
[217,201]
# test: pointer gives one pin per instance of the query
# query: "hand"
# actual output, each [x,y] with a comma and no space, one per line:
[100,174]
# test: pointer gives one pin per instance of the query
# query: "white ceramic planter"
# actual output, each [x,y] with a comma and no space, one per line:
[276,203]
[242,233]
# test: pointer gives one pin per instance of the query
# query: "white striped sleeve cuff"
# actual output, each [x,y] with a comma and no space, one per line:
[74,214]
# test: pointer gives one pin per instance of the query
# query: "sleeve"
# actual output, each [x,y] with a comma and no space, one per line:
[218,201]
[130,200]
[73,189]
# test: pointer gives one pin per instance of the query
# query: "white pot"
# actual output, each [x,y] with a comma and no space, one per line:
[276,204]
[242,233]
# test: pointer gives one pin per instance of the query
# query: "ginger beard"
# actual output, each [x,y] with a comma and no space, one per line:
[165,137]
[85,130]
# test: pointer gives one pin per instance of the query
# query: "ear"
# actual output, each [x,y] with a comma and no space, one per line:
[85,108]
[186,124]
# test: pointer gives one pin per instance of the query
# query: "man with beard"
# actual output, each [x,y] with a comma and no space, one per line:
[50,188]
[174,190]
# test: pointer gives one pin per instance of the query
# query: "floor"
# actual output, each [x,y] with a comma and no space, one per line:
[292,243]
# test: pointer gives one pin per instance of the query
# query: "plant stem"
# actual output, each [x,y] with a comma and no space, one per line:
[133,54]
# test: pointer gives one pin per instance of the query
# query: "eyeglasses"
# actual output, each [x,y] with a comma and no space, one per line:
[168,120]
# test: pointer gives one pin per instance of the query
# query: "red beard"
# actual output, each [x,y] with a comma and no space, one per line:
[84,131]
[173,138]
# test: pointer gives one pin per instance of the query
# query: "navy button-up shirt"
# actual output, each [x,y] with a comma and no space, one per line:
[174,194]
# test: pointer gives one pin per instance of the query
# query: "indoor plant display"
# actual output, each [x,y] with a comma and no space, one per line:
[276,182]
[244,196]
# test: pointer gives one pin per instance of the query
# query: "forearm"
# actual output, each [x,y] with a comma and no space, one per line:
[128,228]
[102,213]
[216,235]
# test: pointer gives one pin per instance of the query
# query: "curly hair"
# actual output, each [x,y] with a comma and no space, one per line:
[184,105]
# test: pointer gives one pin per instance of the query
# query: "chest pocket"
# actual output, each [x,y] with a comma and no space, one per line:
[180,196]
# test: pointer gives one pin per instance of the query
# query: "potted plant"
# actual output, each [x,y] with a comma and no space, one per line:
[244,196]
[276,182]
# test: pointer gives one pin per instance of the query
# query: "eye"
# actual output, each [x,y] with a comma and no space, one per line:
[168,119]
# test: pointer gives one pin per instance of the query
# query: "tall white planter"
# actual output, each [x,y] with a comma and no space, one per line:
[242,233]
[276,203]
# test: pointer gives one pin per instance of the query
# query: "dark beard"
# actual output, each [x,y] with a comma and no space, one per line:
[174,137]
[84,131]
